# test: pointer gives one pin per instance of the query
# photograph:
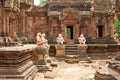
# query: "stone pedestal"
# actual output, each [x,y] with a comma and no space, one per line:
[82,51]
[40,55]
[60,50]
[16,63]
[82,48]
[42,59]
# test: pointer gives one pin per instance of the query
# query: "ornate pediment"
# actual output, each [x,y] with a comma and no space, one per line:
[71,15]
[60,5]
[104,6]
[9,4]
[25,4]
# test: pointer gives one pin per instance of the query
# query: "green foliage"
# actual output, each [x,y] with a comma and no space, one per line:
[42,3]
[117,28]
[68,32]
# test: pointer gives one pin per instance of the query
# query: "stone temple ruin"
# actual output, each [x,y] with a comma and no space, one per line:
[20,21]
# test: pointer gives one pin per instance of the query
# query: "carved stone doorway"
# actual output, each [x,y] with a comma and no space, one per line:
[69,32]
[100,31]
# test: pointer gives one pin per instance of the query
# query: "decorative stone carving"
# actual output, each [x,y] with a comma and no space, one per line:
[41,41]
[42,51]
[60,39]
[82,39]
[60,48]
[9,3]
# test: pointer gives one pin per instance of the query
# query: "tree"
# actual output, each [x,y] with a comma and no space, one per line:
[118,27]
[42,3]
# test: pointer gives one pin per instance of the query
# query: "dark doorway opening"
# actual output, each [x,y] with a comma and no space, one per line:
[69,32]
[100,31]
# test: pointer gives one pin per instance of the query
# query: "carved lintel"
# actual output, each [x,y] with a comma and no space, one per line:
[24,5]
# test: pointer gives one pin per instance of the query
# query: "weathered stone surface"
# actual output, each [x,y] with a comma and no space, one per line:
[111,72]
[106,74]
[16,63]
[63,16]
[58,18]
[72,58]
[49,74]
[60,50]
[82,48]
[54,64]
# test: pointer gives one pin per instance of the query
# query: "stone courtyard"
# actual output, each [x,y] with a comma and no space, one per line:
[45,42]
[71,71]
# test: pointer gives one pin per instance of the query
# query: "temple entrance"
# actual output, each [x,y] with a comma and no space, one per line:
[69,32]
[100,30]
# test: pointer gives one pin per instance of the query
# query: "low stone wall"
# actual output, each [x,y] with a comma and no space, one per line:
[94,49]
[103,48]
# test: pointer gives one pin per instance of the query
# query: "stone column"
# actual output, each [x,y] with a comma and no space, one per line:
[50,26]
[112,24]
[23,20]
[8,26]
[89,26]
[3,21]
[77,26]
[63,28]
[93,25]
[105,30]
[2,16]
[0,20]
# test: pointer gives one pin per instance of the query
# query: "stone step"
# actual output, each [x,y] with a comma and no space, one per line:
[71,50]
[72,58]
[71,53]
[46,67]
[71,45]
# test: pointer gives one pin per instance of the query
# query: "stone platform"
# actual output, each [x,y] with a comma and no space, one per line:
[94,48]
[103,48]
[16,63]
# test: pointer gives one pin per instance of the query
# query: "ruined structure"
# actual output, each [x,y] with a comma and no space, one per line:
[93,18]
[15,62]
[118,9]
[12,21]
[112,71]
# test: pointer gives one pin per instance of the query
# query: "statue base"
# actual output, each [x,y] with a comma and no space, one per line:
[41,58]
[60,50]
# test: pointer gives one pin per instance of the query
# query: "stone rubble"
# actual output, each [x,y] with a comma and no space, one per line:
[67,71]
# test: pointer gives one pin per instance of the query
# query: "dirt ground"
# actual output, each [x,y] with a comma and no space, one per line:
[71,71]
